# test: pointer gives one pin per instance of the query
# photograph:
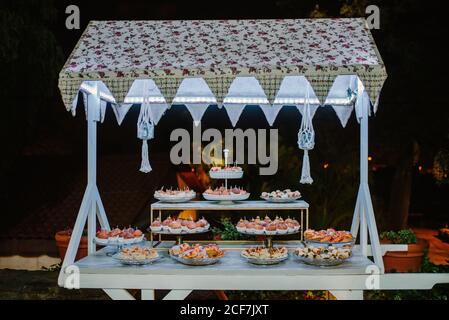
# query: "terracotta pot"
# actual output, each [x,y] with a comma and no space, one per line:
[62,242]
[405,261]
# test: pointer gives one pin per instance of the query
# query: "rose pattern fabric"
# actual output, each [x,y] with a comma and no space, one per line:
[119,52]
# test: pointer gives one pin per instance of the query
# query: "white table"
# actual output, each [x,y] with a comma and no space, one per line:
[346,281]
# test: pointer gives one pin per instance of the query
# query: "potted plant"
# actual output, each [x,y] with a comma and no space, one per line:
[62,242]
[403,261]
[443,234]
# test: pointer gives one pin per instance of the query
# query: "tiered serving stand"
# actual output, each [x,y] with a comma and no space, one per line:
[179,236]
[268,238]
[225,175]
[114,245]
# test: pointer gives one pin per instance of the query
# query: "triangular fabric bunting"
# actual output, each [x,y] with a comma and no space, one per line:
[157,110]
[271,112]
[103,105]
[84,95]
[118,87]
[219,87]
[376,104]
[69,90]
[363,101]
[120,111]
[343,113]
[234,111]
[270,85]
[168,87]
[321,85]
[373,84]
[74,105]
[313,109]
[197,111]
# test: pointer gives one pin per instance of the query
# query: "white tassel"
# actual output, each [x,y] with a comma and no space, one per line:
[145,165]
[306,177]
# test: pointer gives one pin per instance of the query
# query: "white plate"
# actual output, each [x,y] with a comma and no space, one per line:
[235,197]
[265,262]
[280,200]
[175,199]
[226,174]
[182,232]
[252,233]
[195,262]
[134,262]
[118,241]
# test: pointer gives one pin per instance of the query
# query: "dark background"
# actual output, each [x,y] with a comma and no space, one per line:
[42,144]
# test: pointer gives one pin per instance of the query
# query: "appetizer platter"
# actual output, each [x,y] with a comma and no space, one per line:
[119,236]
[324,256]
[178,226]
[329,237]
[196,255]
[281,196]
[227,172]
[174,196]
[265,256]
[137,255]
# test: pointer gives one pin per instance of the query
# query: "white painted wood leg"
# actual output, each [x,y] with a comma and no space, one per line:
[372,228]
[101,213]
[363,230]
[356,217]
[92,226]
[177,294]
[147,295]
[76,234]
[119,294]
[348,294]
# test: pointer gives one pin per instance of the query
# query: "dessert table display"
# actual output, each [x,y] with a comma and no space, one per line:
[326,63]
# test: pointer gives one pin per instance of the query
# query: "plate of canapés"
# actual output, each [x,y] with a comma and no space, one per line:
[226,194]
[279,196]
[228,172]
[267,226]
[325,247]
[119,236]
[179,226]
[137,255]
[174,195]
[264,255]
[196,255]
[329,237]
[323,256]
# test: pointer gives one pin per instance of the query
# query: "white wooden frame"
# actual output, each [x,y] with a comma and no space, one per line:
[343,286]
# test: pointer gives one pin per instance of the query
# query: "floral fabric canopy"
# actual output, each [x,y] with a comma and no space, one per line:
[120,52]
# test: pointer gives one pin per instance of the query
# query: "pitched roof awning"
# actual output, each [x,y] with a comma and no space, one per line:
[120,52]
